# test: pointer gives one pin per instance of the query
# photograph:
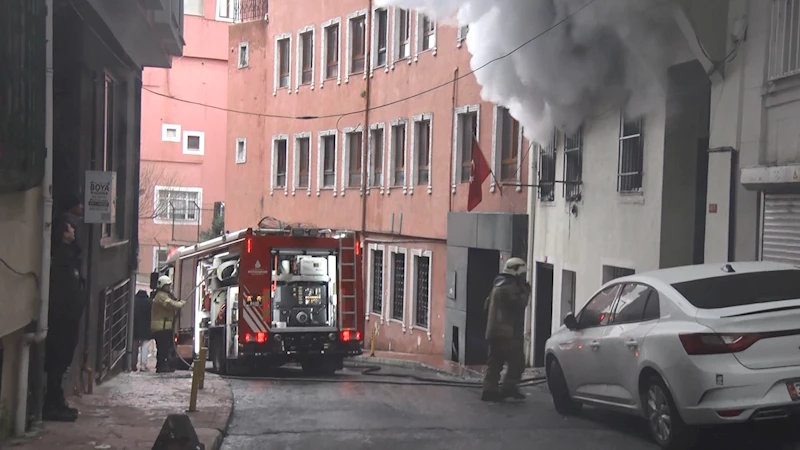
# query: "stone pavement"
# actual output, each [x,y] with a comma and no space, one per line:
[430,362]
[127,412]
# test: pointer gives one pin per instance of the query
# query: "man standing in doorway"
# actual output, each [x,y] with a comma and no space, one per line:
[162,320]
[505,329]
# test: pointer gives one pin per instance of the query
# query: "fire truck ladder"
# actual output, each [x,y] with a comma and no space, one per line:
[347,275]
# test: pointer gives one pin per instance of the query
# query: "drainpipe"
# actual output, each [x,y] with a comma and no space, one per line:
[532,195]
[364,160]
[452,139]
[39,335]
[134,241]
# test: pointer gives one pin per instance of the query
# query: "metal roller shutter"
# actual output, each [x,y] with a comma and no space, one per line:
[780,241]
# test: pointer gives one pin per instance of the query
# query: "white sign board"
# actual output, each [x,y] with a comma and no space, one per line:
[100,194]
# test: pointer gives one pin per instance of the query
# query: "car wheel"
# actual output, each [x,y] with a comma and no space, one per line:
[666,426]
[558,390]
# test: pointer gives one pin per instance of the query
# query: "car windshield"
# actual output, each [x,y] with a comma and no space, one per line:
[741,289]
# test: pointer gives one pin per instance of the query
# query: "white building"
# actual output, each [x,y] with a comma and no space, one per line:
[708,177]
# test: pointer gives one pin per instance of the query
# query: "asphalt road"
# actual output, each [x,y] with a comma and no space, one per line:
[292,414]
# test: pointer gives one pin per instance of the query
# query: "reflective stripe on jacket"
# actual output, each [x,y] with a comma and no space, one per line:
[163,312]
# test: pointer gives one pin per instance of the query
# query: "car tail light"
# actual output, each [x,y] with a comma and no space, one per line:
[715,344]
[261,337]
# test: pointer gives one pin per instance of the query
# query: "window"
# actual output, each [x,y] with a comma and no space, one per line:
[547,171]
[160,256]
[741,289]
[307,57]
[244,54]
[632,304]
[355,142]
[631,155]
[170,133]
[597,311]
[328,161]
[381,30]
[303,158]
[468,135]
[398,285]
[573,165]
[784,47]
[178,205]
[613,272]
[568,286]
[422,150]
[241,151]
[225,10]
[422,291]
[377,281]
[427,33]
[399,154]
[463,31]
[376,156]
[402,25]
[510,140]
[357,44]
[332,51]
[279,162]
[193,142]
[193,7]
[284,62]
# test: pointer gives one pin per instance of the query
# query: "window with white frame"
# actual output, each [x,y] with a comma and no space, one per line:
[305,58]
[177,205]
[547,169]
[331,48]
[194,142]
[356,43]
[784,45]
[326,162]
[398,285]
[402,34]
[160,255]
[302,161]
[467,134]
[225,10]
[380,37]
[423,143]
[170,132]
[241,150]
[573,165]
[375,156]
[283,62]
[354,144]
[244,54]
[631,155]
[508,141]
[462,35]
[421,269]
[398,154]
[376,282]
[280,149]
[426,33]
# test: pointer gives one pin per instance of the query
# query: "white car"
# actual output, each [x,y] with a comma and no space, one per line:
[684,347]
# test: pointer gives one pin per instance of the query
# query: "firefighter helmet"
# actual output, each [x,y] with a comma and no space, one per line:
[164,280]
[516,267]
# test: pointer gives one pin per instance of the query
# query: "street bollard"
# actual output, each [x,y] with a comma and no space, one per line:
[198,371]
[372,342]
[203,356]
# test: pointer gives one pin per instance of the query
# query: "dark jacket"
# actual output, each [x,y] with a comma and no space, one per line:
[141,316]
[66,293]
[505,308]
[77,224]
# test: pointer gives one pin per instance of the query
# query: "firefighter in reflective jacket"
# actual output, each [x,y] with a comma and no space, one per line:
[505,325]
[162,319]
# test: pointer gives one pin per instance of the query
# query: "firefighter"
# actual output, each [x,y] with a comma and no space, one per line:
[64,317]
[162,319]
[505,325]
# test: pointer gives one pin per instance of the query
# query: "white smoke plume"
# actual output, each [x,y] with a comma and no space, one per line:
[608,55]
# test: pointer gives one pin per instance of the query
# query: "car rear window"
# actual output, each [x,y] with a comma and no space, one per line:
[741,289]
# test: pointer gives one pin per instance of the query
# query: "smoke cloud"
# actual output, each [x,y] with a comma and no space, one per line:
[608,55]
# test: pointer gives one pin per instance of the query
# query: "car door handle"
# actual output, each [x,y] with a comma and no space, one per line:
[632,343]
[595,345]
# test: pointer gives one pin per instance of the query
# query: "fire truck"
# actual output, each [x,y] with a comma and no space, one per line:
[264,297]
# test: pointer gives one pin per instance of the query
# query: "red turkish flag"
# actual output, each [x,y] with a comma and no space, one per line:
[480,172]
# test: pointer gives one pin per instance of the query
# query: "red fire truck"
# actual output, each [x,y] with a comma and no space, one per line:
[265,297]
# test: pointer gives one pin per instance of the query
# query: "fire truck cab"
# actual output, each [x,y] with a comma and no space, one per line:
[266,297]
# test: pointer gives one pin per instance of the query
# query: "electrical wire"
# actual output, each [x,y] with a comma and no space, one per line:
[16,272]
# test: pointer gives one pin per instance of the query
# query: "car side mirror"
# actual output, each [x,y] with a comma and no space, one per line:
[153,280]
[571,322]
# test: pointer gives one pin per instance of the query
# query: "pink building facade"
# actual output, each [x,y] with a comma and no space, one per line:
[183,142]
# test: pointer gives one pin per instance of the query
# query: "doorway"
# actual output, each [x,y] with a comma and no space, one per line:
[482,268]
[543,312]
[701,197]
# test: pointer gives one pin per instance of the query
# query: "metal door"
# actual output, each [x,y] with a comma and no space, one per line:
[780,231]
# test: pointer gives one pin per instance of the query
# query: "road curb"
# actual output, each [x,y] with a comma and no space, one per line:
[223,431]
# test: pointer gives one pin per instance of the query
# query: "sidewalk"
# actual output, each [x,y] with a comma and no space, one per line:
[431,362]
[127,412]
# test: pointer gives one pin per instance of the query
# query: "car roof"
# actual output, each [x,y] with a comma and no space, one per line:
[702,271]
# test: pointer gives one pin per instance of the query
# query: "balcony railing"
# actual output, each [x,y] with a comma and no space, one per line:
[250,10]
[784,41]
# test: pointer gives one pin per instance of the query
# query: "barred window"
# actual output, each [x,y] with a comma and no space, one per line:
[631,155]
[398,285]
[422,301]
[547,171]
[354,145]
[280,162]
[573,165]
[377,281]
